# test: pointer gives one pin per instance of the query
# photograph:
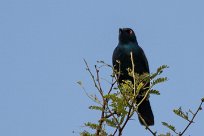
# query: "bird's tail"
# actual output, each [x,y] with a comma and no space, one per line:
[146,112]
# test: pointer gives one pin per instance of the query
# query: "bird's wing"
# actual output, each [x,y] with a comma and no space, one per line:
[116,55]
[145,62]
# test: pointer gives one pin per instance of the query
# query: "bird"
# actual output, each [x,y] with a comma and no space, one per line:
[121,60]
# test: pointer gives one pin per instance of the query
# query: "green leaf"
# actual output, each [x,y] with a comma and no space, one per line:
[79,82]
[159,80]
[115,88]
[161,68]
[91,125]
[139,87]
[156,92]
[113,97]
[94,98]
[95,108]
[167,134]
[171,127]
[122,118]
[159,71]
[180,113]
[85,133]
[202,99]
[111,122]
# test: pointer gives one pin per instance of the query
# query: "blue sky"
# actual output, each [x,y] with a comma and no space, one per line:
[43,43]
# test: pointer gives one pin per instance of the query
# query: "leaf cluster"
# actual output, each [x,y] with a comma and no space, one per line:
[118,104]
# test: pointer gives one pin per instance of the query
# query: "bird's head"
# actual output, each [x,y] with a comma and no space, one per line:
[126,35]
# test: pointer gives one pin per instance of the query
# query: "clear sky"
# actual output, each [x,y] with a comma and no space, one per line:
[43,43]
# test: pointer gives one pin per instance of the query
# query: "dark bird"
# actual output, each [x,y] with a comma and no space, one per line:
[127,44]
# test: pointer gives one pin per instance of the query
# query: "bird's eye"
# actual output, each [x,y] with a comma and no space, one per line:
[130,31]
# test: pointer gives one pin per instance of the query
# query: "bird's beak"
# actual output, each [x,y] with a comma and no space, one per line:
[120,30]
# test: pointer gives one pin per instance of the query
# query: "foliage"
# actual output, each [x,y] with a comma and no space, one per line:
[118,105]
[188,116]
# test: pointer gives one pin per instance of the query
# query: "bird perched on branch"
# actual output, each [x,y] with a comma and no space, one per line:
[122,61]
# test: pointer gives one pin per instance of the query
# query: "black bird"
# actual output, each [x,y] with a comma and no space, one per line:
[127,44]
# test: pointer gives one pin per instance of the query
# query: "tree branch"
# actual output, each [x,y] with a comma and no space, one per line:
[191,121]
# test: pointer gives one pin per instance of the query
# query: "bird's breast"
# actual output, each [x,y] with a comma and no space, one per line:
[125,58]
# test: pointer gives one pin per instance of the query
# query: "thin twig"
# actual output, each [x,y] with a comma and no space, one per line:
[104,101]
[98,81]
[90,97]
[99,88]
[115,131]
[127,119]
[146,94]
[101,120]
[111,88]
[111,114]
[153,133]
[133,71]
[92,76]
[129,115]
[147,127]
[191,121]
